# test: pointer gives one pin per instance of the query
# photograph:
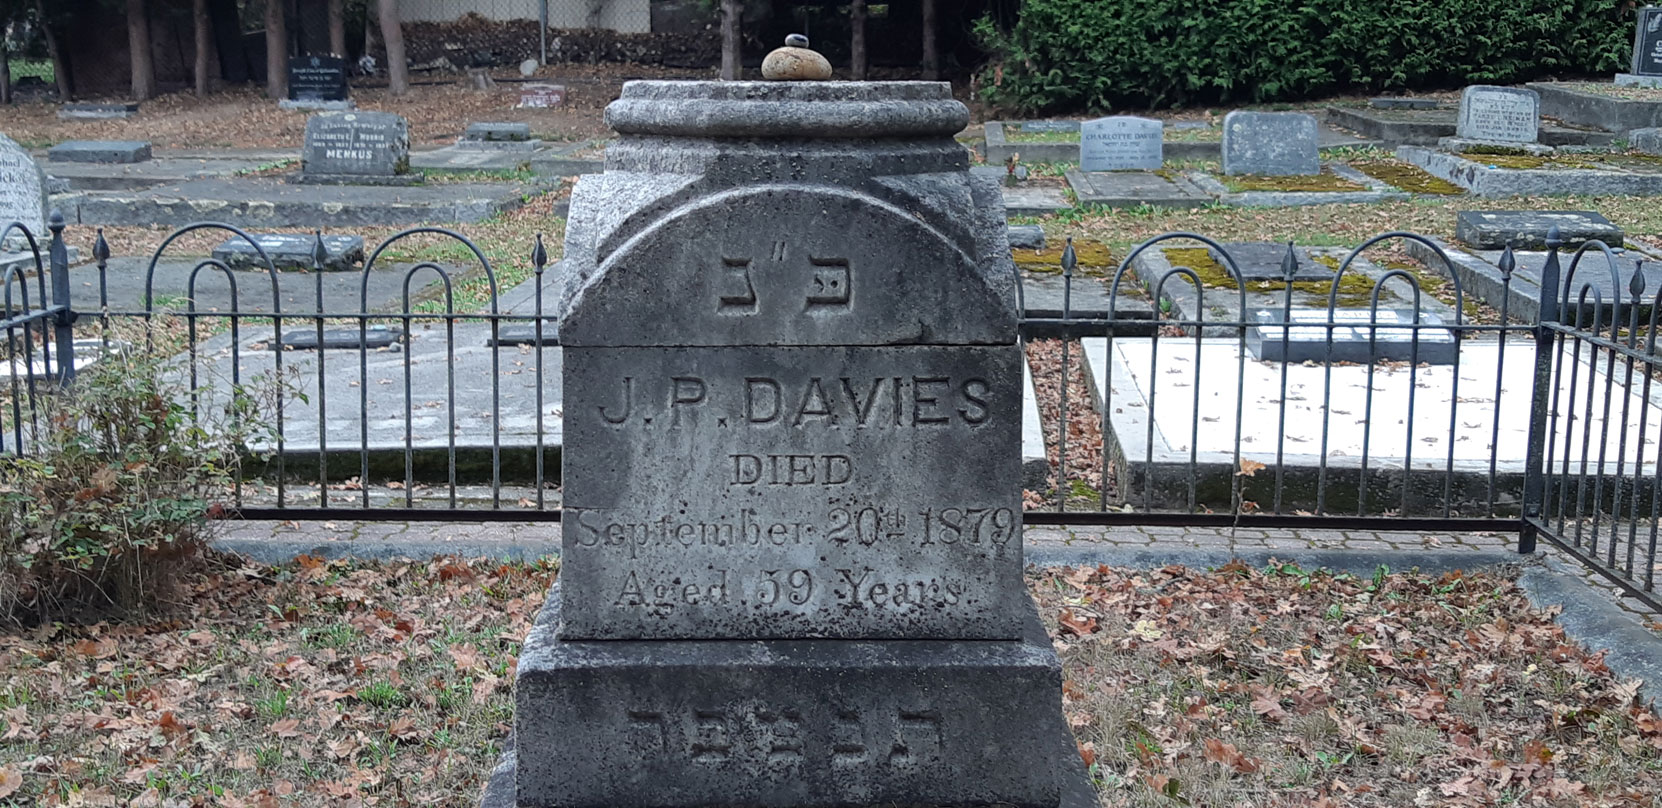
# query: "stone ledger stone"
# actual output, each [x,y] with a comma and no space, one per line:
[291,251]
[355,146]
[1499,114]
[497,131]
[791,573]
[1362,336]
[1270,143]
[100,151]
[22,195]
[1121,143]
[1527,229]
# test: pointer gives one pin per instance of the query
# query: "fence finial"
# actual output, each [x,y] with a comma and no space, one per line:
[1069,259]
[101,248]
[539,255]
[1289,264]
[1508,262]
[1636,284]
[320,253]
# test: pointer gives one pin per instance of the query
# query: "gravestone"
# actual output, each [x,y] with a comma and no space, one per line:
[499,137]
[97,111]
[791,573]
[1646,65]
[542,96]
[317,79]
[1491,114]
[1648,140]
[1264,260]
[1120,143]
[22,195]
[356,148]
[1270,143]
[1361,336]
[100,151]
[291,251]
[1527,229]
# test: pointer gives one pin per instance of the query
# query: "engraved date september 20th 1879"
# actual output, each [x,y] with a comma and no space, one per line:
[844,524]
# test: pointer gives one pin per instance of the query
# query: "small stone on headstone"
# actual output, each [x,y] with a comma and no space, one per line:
[542,96]
[1527,229]
[795,62]
[1362,336]
[1499,114]
[528,68]
[1120,143]
[1402,102]
[100,151]
[1026,236]
[1270,143]
[291,251]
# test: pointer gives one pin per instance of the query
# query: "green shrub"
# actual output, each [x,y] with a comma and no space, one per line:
[1105,55]
[106,511]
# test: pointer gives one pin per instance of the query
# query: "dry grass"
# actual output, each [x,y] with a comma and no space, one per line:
[1286,687]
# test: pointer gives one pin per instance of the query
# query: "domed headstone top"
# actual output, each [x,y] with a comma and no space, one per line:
[796,62]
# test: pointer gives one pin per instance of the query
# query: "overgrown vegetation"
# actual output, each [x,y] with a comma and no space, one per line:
[1105,55]
[105,510]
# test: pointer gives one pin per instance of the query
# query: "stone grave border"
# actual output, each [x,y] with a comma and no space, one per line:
[1182,182]
[1378,191]
[1483,282]
[1412,129]
[1483,180]
[1619,115]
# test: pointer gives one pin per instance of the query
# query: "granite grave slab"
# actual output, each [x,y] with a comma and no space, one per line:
[1402,102]
[100,151]
[97,111]
[1527,229]
[497,131]
[291,251]
[1129,189]
[1120,143]
[1270,143]
[1361,336]
[369,148]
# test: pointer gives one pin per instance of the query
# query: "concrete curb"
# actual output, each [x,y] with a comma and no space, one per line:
[1592,619]
[1355,562]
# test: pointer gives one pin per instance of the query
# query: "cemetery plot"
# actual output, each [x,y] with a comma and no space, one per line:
[1609,107]
[1480,275]
[1425,127]
[1129,189]
[1171,429]
[1336,183]
[1058,141]
[1581,173]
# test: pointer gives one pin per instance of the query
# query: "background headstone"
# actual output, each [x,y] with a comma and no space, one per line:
[290,251]
[533,95]
[317,78]
[355,145]
[1499,114]
[22,193]
[1120,143]
[1647,43]
[1270,143]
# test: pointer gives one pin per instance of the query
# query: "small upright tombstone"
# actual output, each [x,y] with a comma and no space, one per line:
[317,82]
[1490,116]
[792,566]
[536,95]
[22,195]
[1647,51]
[1270,143]
[356,148]
[1121,143]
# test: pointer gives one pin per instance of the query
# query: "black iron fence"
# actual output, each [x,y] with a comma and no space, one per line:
[1190,383]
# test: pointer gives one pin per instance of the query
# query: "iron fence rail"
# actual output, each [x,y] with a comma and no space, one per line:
[1419,409]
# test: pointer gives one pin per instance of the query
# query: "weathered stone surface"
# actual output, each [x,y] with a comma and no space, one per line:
[1026,237]
[100,151]
[1361,336]
[97,111]
[1262,261]
[22,193]
[1124,189]
[1630,80]
[358,144]
[1499,114]
[340,339]
[1120,143]
[1647,43]
[1481,179]
[791,723]
[1271,143]
[1401,102]
[1480,148]
[497,131]
[317,78]
[291,251]
[795,64]
[1648,140]
[1527,229]
[1573,104]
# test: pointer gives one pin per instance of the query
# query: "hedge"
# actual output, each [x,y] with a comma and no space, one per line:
[1104,55]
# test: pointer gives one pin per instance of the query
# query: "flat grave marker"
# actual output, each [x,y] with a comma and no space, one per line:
[100,151]
[1270,143]
[1120,143]
[291,251]
[1263,260]
[1358,335]
[1527,229]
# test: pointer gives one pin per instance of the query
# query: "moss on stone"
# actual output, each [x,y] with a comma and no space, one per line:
[1326,181]
[1355,288]
[1408,177]
[1095,259]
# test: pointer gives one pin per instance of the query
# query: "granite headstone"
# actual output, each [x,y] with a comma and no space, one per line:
[317,78]
[1120,143]
[346,147]
[791,574]
[1499,114]
[1647,43]
[22,193]
[1270,143]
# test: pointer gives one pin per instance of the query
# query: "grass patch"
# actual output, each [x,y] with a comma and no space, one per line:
[1326,182]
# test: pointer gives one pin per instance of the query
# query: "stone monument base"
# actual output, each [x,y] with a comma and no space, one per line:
[1631,80]
[788,723]
[357,179]
[1461,145]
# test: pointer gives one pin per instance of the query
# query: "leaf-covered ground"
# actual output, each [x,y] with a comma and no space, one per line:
[388,684]
[1243,687]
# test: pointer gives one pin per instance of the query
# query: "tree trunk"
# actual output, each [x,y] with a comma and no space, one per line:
[337,28]
[60,65]
[138,48]
[5,73]
[931,47]
[732,16]
[276,50]
[857,46]
[204,46]
[398,66]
